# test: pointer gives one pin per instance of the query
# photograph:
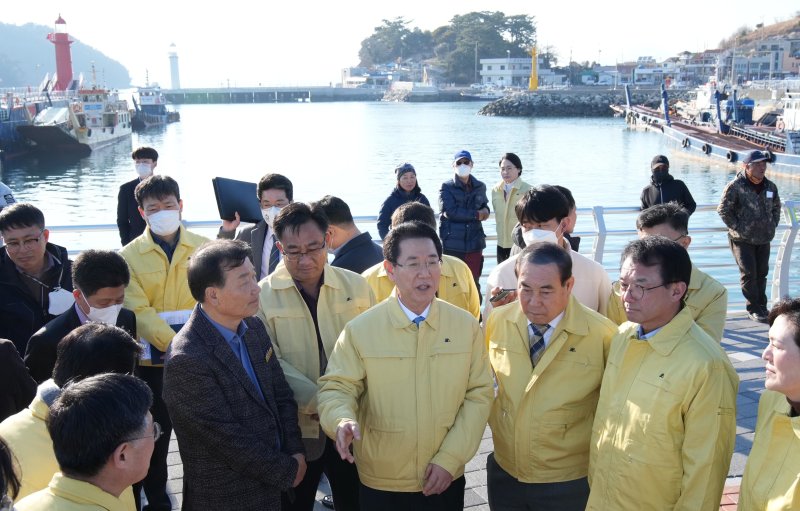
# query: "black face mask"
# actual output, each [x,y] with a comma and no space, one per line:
[659,176]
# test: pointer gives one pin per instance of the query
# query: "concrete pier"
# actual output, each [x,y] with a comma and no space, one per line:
[744,342]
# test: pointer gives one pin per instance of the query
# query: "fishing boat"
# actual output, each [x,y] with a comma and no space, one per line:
[721,141]
[18,108]
[151,108]
[94,118]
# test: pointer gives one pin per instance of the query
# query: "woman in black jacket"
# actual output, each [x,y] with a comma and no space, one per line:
[407,190]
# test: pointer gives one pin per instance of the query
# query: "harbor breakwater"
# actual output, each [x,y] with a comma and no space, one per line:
[571,103]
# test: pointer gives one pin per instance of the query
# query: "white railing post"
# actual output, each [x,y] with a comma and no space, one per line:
[600,240]
[783,259]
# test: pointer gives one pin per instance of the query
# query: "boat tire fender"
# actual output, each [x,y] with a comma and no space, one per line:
[685,142]
[89,133]
[769,155]
[732,156]
[706,148]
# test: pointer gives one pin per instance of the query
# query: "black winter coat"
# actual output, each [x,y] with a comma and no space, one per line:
[670,189]
[397,198]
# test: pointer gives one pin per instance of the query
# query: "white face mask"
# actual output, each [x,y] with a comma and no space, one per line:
[59,300]
[106,314]
[463,170]
[269,215]
[164,222]
[143,170]
[538,236]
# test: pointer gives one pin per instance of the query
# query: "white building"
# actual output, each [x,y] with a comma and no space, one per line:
[506,72]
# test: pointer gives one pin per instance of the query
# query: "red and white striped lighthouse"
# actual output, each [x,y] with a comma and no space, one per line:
[60,38]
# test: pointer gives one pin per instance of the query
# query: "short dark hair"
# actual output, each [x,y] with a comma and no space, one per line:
[671,258]
[789,307]
[94,348]
[276,181]
[92,417]
[405,231]
[567,194]
[94,269]
[20,216]
[158,187]
[144,153]
[296,214]
[670,213]
[414,212]
[9,480]
[209,263]
[514,159]
[546,253]
[337,210]
[541,204]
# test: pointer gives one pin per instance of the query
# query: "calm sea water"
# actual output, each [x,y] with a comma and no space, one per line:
[351,149]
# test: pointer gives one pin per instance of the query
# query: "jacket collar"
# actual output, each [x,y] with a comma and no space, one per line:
[150,244]
[282,279]
[84,493]
[572,322]
[400,320]
[670,335]
[695,281]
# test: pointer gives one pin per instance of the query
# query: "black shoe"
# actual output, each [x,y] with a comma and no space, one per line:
[327,501]
[758,316]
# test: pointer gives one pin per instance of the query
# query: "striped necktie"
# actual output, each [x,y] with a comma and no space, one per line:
[537,342]
[274,256]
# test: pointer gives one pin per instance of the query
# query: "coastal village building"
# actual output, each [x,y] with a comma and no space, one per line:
[516,72]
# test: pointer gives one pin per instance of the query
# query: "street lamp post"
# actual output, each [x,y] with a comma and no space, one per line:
[508,67]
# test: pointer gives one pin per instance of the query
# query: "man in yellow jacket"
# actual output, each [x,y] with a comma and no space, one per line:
[548,353]
[706,298]
[90,349]
[158,293]
[409,382]
[665,424]
[103,436]
[305,303]
[456,284]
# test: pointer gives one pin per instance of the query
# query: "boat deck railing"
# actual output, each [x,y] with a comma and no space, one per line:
[765,139]
[604,231]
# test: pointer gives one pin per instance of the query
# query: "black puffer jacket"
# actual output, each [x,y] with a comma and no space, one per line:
[397,198]
[667,190]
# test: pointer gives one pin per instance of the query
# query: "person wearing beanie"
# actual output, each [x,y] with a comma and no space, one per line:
[407,190]
[664,188]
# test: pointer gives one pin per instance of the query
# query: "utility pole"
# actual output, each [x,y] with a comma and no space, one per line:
[475,78]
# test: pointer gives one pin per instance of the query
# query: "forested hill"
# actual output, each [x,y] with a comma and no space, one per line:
[26,56]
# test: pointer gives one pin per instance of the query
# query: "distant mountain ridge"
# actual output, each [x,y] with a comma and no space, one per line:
[26,56]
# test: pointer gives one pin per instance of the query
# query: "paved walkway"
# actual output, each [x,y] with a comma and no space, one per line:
[744,341]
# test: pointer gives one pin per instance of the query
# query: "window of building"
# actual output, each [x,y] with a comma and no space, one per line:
[502,68]
[488,68]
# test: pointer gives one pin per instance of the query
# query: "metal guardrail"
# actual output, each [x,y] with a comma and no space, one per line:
[607,241]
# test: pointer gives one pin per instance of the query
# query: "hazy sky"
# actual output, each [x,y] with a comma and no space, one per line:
[308,43]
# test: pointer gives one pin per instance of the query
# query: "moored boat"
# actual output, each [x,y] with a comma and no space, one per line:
[151,108]
[720,141]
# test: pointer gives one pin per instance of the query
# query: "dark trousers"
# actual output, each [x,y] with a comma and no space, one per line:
[475,262]
[506,493]
[342,475]
[452,499]
[503,254]
[753,262]
[155,483]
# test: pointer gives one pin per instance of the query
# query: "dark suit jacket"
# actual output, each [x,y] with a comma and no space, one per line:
[40,355]
[17,388]
[228,433]
[358,254]
[253,236]
[130,222]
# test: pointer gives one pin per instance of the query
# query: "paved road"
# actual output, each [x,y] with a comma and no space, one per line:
[744,342]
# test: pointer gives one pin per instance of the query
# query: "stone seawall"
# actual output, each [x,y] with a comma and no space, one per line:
[571,103]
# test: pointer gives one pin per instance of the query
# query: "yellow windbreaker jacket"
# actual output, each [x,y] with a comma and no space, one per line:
[456,285]
[343,296]
[158,285]
[66,494]
[665,424]
[420,396]
[504,215]
[542,418]
[706,298]
[770,480]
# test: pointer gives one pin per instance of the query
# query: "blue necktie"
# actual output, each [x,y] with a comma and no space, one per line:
[418,320]
[536,340]
[274,256]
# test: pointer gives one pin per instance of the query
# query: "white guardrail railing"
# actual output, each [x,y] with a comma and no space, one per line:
[608,228]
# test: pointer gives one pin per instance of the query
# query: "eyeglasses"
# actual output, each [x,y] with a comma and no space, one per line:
[463,162]
[637,291]
[14,246]
[157,432]
[297,255]
[417,266]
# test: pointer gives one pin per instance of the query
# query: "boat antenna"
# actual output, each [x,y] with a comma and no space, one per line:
[94,77]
